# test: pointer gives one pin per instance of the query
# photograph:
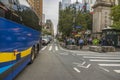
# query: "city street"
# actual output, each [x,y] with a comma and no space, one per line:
[55,63]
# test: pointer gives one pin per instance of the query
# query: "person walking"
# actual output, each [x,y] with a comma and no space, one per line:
[81,43]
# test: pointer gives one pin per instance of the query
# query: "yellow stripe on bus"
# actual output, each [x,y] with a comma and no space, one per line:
[10,56]
[7,56]
[26,52]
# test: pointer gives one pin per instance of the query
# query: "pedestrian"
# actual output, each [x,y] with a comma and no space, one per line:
[81,43]
[73,41]
[90,41]
[95,41]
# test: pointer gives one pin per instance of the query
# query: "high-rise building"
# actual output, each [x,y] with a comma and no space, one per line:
[31,2]
[89,3]
[37,5]
[65,3]
[77,5]
[60,5]
[43,19]
[49,27]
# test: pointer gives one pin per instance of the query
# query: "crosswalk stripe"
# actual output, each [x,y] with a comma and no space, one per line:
[50,48]
[101,57]
[97,54]
[43,48]
[104,69]
[99,60]
[117,71]
[56,48]
[109,65]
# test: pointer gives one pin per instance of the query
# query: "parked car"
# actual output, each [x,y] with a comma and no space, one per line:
[45,40]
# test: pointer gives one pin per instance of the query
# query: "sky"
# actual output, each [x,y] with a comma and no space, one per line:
[50,9]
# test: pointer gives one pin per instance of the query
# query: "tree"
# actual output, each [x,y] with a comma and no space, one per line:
[65,21]
[115,16]
[69,18]
[45,32]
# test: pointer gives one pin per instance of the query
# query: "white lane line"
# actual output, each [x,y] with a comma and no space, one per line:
[117,71]
[63,53]
[85,66]
[73,54]
[77,70]
[83,63]
[98,54]
[112,65]
[104,69]
[76,63]
[88,65]
[50,48]
[102,57]
[56,48]
[98,60]
[84,54]
[43,48]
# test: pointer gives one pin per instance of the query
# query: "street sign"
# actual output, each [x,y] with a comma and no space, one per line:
[78,27]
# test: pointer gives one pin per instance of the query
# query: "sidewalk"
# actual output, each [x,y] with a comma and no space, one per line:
[85,47]
[75,47]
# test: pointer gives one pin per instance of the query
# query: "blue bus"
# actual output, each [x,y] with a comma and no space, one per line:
[20,37]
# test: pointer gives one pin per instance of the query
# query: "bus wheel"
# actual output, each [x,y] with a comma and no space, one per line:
[32,55]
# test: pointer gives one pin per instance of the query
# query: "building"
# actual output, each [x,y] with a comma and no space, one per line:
[43,20]
[101,16]
[31,2]
[65,3]
[117,2]
[77,5]
[49,27]
[37,5]
[60,5]
[89,3]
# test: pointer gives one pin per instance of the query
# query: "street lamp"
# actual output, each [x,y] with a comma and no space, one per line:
[74,16]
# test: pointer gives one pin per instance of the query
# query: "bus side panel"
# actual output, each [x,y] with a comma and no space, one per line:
[17,36]
[18,68]
[13,66]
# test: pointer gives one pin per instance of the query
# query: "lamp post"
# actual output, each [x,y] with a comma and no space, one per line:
[74,15]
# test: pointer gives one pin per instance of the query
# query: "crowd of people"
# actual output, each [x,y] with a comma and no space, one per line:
[88,41]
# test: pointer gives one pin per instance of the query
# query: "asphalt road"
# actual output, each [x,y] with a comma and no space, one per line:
[56,63]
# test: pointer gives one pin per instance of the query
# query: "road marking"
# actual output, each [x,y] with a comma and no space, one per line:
[109,65]
[50,48]
[98,54]
[43,48]
[56,48]
[63,53]
[73,54]
[83,54]
[77,70]
[117,71]
[83,63]
[76,63]
[102,57]
[88,65]
[104,69]
[98,60]
[85,66]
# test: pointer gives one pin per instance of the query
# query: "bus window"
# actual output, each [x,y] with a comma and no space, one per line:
[2,13]
[5,2]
